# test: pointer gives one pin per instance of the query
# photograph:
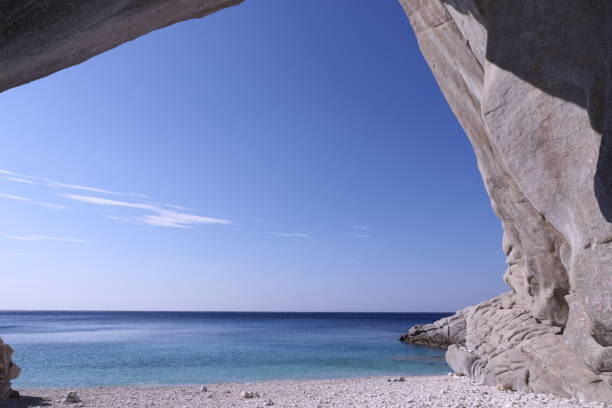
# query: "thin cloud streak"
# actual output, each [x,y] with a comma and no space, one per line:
[362,236]
[162,217]
[30,201]
[13,197]
[24,178]
[291,235]
[361,227]
[53,206]
[18,180]
[37,237]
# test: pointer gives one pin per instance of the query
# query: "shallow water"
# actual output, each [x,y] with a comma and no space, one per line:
[81,349]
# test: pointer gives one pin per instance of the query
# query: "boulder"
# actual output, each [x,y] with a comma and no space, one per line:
[8,371]
[72,398]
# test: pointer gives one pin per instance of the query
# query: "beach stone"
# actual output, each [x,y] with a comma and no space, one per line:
[204,389]
[72,398]
[248,395]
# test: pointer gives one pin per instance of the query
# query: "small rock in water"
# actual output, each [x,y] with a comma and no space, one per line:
[248,395]
[72,398]
[204,389]
[503,387]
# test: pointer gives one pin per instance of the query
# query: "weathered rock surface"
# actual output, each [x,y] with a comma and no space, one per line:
[8,370]
[40,37]
[529,80]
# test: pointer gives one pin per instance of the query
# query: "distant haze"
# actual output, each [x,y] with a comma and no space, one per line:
[275,156]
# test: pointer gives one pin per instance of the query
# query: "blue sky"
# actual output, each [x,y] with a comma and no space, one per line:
[279,155]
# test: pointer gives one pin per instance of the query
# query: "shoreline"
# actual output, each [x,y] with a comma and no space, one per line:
[387,392]
[212,384]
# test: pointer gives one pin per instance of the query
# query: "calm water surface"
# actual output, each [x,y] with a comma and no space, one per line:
[78,349]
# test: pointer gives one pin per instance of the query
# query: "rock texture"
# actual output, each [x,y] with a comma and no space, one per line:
[8,370]
[40,37]
[529,80]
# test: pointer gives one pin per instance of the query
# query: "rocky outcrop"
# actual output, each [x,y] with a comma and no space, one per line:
[530,83]
[8,370]
[442,334]
[503,343]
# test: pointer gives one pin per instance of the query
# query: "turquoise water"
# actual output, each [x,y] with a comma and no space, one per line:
[78,349]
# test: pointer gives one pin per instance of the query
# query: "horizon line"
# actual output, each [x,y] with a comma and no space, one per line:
[206,311]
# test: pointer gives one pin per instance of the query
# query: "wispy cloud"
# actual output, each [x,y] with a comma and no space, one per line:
[53,206]
[361,231]
[29,200]
[291,234]
[161,217]
[36,237]
[13,197]
[18,180]
[24,178]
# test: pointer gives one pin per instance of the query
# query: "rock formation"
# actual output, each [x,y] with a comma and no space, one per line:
[8,370]
[38,38]
[530,82]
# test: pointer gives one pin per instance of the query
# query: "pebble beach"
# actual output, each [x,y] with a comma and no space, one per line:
[384,392]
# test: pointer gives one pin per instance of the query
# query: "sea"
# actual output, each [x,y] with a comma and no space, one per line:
[86,349]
